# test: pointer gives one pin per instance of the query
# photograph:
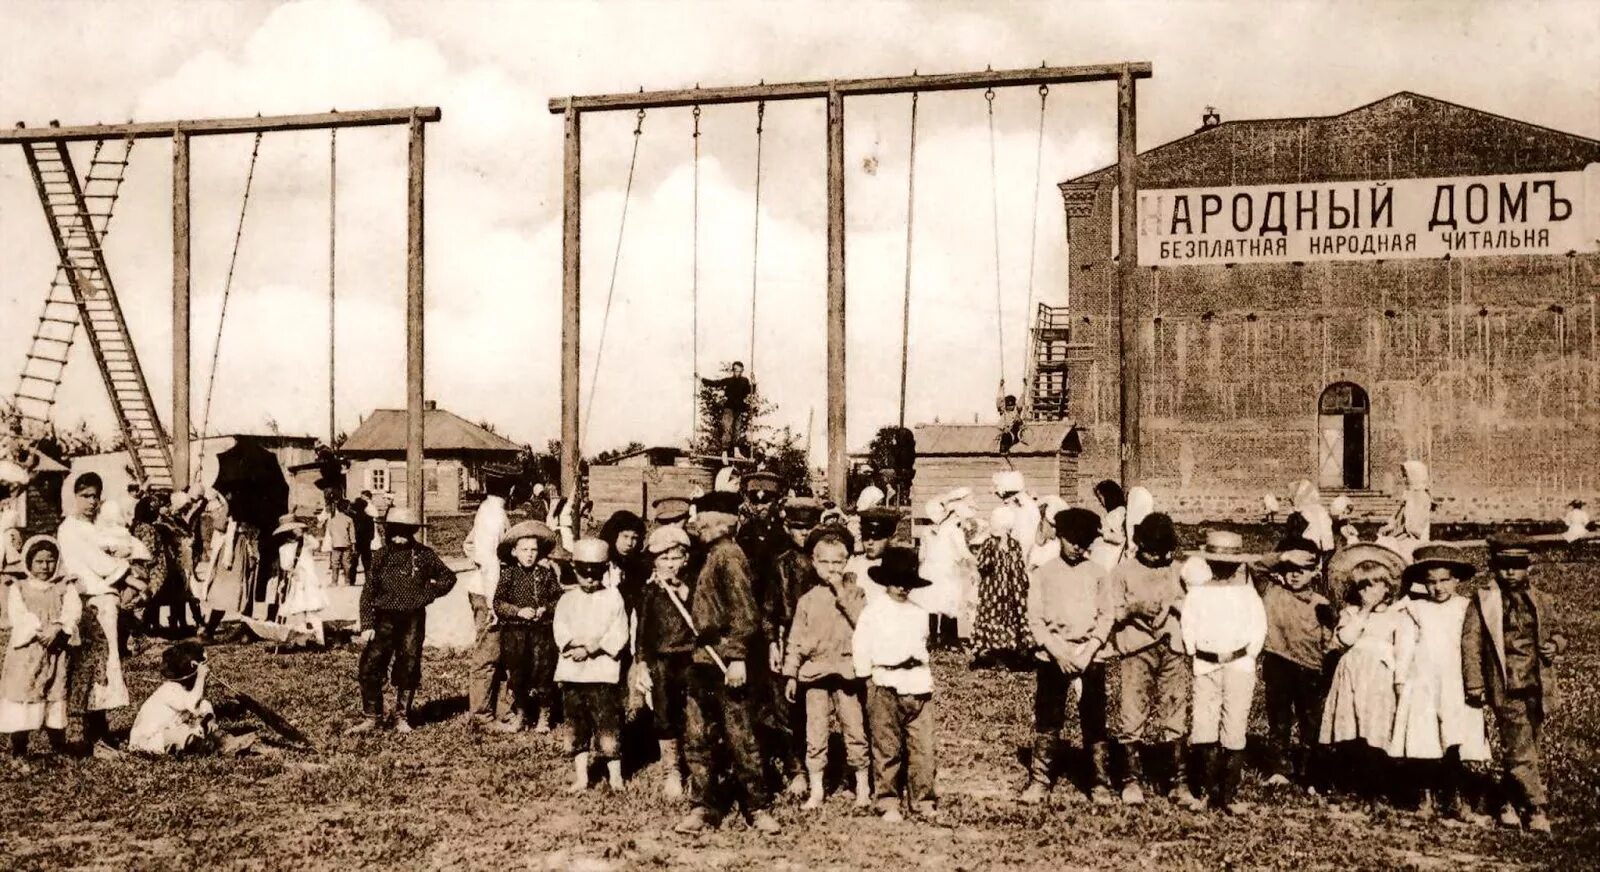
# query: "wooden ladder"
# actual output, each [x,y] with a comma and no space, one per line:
[79,232]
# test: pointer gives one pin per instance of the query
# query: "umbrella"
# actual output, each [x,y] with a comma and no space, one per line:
[252,481]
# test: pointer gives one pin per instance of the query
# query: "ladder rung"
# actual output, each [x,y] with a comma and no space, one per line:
[22,396]
[59,320]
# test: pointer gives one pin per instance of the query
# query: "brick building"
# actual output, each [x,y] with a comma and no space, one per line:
[1307,310]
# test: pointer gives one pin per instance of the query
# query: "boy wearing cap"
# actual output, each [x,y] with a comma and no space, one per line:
[890,649]
[591,631]
[1224,628]
[525,602]
[664,646]
[1299,635]
[1509,648]
[788,576]
[1070,613]
[406,577]
[878,525]
[818,661]
[719,705]
[1153,672]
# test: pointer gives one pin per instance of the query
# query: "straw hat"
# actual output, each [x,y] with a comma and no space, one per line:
[528,530]
[403,517]
[591,551]
[1427,557]
[288,523]
[1345,560]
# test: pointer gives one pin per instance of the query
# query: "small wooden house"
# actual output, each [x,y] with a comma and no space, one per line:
[968,455]
[635,480]
[454,453]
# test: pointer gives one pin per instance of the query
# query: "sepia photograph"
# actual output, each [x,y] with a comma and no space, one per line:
[799,434]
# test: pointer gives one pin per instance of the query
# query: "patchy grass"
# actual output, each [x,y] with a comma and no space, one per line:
[447,797]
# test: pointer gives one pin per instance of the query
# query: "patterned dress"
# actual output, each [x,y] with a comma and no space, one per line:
[1002,597]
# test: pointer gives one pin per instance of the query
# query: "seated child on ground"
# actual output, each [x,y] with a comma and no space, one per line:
[176,719]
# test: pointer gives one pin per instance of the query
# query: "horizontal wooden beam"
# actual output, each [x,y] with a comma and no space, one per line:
[1040,75]
[219,126]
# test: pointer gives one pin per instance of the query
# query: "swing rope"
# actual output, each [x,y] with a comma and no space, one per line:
[755,243]
[227,290]
[994,203]
[1033,245]
[694,291]
[905,305]
[616,258]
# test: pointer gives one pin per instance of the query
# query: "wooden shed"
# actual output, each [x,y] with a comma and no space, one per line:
[636,480]
[968,455]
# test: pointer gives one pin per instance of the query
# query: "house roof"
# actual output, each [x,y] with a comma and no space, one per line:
[385,431]
[1038,438]
[1178,162]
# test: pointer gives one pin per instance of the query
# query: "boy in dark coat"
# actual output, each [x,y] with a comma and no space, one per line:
[1508,649]
[719,703]
[406,577]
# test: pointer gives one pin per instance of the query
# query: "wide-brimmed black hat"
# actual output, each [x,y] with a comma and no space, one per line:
[900,568]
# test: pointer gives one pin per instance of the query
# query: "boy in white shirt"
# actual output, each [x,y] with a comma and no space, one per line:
[890,648]
[1224,627]
[591,629]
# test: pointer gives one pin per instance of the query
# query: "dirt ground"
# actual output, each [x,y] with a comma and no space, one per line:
[446,797]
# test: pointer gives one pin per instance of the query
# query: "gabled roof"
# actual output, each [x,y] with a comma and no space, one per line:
[1323,145]
[1038,438]
[385,431]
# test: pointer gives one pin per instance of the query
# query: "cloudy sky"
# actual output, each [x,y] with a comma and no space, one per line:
[494,181]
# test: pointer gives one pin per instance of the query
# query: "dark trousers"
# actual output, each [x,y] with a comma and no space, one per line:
[669,691]
[903,738]
[362,560]
[594,711]
[1294,697]
[713,711]
[528,656]
[1521,719]
[1050,702]
[396,652]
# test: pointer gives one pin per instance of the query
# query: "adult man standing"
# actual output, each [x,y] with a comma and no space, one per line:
[365,530]
[719,704]
[341,533]
[735,405]
[483,546]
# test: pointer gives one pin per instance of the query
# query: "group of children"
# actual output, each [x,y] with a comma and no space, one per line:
[1377,671]
[68,610]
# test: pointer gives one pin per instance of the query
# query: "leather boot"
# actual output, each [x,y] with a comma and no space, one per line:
[402,710]
[1133,775]
[1174,756]
[371,712]
[1232,773]
[671,782]
[1201,776]
[1100,776]
[1039,769]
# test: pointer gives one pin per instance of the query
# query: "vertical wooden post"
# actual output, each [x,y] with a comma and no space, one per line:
[415,490]
[571,203]
[180,310]
[333,272]
[838,456]
[1127,282]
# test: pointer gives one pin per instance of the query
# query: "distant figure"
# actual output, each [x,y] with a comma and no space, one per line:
[1010,419]
[1577,521]
[735,405]
[366,529]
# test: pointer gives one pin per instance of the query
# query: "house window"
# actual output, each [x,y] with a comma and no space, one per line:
[377,479]
[430,478]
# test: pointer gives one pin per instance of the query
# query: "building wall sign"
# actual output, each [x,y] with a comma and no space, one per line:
[1477,216]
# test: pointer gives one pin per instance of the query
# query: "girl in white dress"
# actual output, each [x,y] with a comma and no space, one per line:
[1358,718]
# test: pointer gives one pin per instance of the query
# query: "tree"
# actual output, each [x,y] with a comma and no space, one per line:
[778,449]
[611,454]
